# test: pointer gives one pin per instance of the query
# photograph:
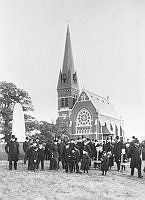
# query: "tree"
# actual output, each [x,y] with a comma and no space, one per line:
[31,124]
[9,96]
[47,131]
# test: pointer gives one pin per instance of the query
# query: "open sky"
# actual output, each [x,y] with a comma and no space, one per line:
[108,43]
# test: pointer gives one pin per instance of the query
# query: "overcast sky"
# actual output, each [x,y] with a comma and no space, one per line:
[108,43]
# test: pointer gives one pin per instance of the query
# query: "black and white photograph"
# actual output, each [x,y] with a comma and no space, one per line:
[72,99]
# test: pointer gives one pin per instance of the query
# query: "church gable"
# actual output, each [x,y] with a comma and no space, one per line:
[83,97]
[83,116]
[84,101]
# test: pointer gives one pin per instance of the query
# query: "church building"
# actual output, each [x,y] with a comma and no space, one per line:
[83,113]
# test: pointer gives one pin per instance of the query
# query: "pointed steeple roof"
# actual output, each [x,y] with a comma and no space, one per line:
[68,75]
[68,63]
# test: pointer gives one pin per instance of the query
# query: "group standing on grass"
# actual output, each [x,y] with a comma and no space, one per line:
[78,155]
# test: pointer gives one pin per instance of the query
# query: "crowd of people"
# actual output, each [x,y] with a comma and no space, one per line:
[78,155]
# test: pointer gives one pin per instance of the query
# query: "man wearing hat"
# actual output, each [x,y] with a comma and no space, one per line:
[32,155]
[12,149]
[134,154]
[117,152]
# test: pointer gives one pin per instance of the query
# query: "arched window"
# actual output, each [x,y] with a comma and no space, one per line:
[83,121]
[66,102]
[62,102]
[83,97]
[64,77]
[116,130]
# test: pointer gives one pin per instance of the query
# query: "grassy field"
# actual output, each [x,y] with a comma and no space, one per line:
[57,185]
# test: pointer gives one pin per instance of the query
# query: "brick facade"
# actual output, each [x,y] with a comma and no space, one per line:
[94,117]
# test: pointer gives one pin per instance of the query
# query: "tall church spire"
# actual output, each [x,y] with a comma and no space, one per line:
[67,88]
[68,63]
[68,75]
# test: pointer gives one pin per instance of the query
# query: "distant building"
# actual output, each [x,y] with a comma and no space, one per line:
[83,114]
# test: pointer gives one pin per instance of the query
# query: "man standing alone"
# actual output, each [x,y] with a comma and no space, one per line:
[134,154]
[117,152]
[12,149]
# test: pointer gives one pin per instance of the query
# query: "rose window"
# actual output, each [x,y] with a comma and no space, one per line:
[84,118]
[83,122]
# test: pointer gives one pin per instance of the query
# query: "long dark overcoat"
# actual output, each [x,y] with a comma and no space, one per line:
[32,154]
[12,149]
[41,154]
[80,146]
[117,151]
[134,154]
[54,158]
[61,147]
[26,146]
[143,152]
[85,164]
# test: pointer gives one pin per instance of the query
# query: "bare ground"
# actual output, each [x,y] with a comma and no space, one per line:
[57,185]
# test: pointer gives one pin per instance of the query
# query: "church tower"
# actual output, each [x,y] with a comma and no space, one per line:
[67,88]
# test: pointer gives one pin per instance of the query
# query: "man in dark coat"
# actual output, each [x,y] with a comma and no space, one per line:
[48,147]
[61,147]
[67,154]
[76,158]
[41,156]
[80,146]
[32,155]
[134,154]
[91,143]
[54,156]
[88,149]
[12,149]
[26,146]
[143,155]
[107,146]
[117,152]
[143,150]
